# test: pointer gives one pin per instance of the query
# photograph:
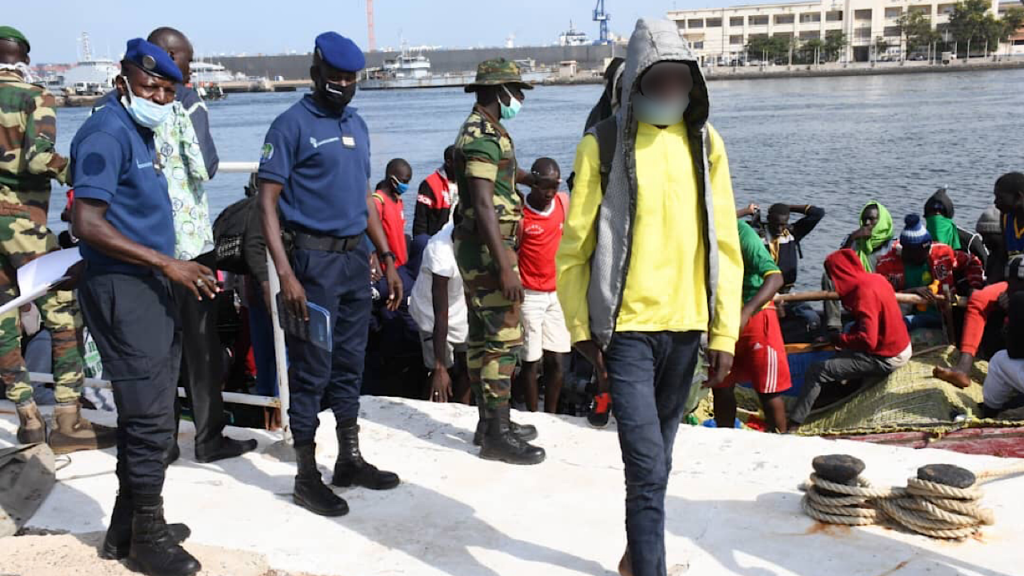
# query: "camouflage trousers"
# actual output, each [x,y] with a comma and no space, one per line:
[22,240]
[495,329]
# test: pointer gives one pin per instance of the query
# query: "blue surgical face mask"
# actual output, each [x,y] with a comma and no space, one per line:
[514,106]
[659,112]
[145,113]
[400,187]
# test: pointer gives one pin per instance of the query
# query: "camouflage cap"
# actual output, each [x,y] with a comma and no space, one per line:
[496,72]
[14,35]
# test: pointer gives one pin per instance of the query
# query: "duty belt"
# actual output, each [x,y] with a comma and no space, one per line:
[325,243]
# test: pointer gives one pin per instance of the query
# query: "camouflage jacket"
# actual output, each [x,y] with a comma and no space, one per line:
[484,150]
[28,135]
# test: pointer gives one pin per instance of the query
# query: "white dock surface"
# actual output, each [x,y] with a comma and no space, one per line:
[733,506]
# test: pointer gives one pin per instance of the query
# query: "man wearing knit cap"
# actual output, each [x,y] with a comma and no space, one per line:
[918,265]
[983,323]
[990,228]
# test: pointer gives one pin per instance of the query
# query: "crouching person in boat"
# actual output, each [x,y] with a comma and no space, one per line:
[984,323]
[122,214]
[876,346]
[1004,385]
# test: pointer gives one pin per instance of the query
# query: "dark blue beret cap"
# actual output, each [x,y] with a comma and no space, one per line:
[340,52]
[152,59]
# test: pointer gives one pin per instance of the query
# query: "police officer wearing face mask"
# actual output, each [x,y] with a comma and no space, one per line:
[122,215]
[315,168]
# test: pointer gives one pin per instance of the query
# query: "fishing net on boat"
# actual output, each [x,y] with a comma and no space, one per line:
[909,399]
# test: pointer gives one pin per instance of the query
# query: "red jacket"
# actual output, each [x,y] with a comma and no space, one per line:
[952,268]
[880,328]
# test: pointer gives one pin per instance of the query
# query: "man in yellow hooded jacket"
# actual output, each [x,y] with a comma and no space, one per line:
[649,264]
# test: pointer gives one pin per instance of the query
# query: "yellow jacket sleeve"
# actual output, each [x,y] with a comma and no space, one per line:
[579,239]
[725,328]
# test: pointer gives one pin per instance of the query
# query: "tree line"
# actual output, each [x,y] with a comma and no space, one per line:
[971,29]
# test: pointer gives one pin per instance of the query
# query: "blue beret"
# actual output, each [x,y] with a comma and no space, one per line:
[152,59]
[340,52]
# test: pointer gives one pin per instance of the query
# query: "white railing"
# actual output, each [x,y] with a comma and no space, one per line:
[280,354]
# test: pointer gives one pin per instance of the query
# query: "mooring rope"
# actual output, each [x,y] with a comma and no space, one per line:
[923,506]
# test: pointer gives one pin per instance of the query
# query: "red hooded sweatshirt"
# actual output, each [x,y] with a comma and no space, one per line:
[880,329]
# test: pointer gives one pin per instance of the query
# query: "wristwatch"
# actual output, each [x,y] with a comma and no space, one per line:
[389,253]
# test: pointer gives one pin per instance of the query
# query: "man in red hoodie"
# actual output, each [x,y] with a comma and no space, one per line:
[876,346]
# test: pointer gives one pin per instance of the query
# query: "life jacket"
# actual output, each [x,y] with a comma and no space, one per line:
[439,185]
[948,267]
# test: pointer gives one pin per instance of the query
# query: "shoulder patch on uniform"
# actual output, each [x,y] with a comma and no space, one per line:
[267,153]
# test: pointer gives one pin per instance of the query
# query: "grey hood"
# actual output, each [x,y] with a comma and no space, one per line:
[653,41]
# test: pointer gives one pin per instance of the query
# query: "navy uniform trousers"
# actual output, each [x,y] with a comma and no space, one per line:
[340,283]
[133,321]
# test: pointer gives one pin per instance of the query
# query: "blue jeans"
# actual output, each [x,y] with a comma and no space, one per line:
[339,282]
[650,375]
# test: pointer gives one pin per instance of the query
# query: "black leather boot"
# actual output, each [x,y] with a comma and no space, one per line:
[352,469]
[153,550]
[117,544]
[525,432]
[223,448]
[500,443]
[310,491]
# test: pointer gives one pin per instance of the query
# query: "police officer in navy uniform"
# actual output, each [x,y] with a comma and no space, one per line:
[315,168]
[122,215]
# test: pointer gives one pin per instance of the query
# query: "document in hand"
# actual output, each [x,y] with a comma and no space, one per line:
[316,331]
[40,275]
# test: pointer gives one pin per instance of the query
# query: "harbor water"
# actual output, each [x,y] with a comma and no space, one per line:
[833,142]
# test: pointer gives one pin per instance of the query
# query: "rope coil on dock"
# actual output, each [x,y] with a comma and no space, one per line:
[942,502]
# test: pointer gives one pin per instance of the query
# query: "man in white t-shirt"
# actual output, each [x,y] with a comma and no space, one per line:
[438,294]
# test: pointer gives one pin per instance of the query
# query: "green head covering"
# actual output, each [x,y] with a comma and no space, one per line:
[880,235]
[14,35]
[943,230]
[496,72]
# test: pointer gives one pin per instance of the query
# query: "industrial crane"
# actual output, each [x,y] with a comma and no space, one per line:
[602,18]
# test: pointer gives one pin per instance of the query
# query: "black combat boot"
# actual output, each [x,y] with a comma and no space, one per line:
[352,469]
[500,443]
[525,432]
[310,491]
[153,550]
[118,542]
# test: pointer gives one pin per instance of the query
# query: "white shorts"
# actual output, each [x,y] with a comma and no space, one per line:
[544,325]
[1004,381]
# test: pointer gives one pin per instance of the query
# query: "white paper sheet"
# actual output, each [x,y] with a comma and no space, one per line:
[40,275]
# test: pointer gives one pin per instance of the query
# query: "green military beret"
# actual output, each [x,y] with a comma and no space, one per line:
[496,72]
[14,35]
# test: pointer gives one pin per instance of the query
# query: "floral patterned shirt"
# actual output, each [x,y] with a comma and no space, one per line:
[185,170]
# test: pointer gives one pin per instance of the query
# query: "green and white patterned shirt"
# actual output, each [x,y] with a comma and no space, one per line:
[185,170]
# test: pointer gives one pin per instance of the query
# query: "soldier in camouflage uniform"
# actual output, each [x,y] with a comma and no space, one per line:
[489,213]
[28,161]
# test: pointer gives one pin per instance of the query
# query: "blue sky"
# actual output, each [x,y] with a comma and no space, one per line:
[264,26]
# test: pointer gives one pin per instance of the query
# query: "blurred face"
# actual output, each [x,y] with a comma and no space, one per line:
[777,223]
[666,81]
[400,174]
[142,85]
[515,90]
[916,255]
[869,217]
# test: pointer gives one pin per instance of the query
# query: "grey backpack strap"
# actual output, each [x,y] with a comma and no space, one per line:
[607,134]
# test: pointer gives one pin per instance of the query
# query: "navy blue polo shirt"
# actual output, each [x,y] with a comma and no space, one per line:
[323,161]
[112,160]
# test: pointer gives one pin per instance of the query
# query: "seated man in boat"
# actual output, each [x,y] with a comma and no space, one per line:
[983,323]
[938,217]
[870,242]
[876,346]
[1004,385]
[760,351]
[390,209]
[919,265]
[1009,193]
